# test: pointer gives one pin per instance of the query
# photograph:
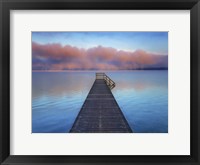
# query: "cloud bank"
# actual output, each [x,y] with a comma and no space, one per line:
[58,57]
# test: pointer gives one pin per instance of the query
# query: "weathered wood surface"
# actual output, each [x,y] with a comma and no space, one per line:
[100,113]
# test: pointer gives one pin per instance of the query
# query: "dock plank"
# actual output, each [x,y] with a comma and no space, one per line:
[100,112]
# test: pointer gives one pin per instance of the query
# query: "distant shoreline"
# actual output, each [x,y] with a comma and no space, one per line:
[99,70]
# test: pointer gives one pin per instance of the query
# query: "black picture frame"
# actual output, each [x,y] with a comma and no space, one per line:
[7,5]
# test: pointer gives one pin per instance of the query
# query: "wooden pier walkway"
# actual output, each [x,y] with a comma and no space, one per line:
[100,112]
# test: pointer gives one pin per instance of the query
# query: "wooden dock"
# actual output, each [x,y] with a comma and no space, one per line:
[100,112]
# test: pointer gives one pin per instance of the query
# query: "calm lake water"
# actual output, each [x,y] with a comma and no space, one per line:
[57,97]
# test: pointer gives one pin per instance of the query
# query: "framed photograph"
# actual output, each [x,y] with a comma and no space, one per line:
[99,82]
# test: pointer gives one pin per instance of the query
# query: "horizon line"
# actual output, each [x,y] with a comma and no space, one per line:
[96,70]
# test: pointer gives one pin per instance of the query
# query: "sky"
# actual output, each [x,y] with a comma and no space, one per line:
[99,50]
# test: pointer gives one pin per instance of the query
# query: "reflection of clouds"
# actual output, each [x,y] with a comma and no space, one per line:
[137,86]
[140,80]
[142,86]
[77,83]
[61,84]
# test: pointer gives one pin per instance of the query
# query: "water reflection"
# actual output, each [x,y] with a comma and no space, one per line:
[58,96]
[61,83]
[143,98]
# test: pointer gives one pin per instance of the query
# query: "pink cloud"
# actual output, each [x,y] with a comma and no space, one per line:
[58,57]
